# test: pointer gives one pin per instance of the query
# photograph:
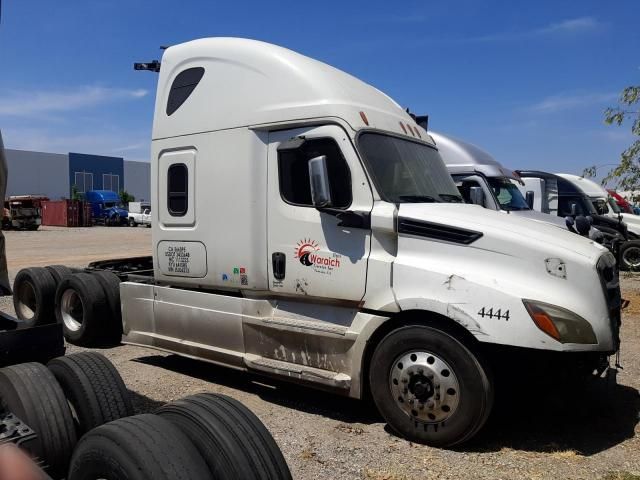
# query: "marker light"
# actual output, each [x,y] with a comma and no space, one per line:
[560,324]
[403,129]
[364,118]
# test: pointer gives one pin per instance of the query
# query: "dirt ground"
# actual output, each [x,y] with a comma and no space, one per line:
[546,433]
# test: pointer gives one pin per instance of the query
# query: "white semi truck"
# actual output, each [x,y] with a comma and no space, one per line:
[602,201]
[482,180]
[305,227]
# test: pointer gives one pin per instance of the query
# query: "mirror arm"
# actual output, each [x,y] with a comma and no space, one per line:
[349,218]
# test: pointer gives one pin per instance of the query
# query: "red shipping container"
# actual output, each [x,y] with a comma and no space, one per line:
[66,213]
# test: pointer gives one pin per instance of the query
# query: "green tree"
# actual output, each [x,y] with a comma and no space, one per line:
[126,197]
[75,193]
[625,176]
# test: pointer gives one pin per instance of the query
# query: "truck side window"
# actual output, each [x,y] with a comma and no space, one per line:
[177,189]
[293,172]
[183,85]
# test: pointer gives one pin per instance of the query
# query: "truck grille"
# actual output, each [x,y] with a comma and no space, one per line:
[608,273]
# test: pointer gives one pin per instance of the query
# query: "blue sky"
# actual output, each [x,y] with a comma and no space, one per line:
[527,81]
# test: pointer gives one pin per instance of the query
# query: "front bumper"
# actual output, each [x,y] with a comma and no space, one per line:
[610,281]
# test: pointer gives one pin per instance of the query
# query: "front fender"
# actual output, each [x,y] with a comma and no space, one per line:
[483,291]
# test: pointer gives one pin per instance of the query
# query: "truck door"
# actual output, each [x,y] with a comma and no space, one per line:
[309,253]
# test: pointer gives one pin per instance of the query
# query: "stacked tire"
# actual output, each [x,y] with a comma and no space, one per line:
[60,403]
[86,303]
[82,396]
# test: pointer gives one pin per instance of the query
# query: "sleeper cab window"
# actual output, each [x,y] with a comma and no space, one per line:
[293,173]
[177,189]
[183,85]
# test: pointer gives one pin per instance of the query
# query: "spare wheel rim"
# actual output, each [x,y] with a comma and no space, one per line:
[72,310]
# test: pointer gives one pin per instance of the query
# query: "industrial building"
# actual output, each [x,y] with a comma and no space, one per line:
[54,175]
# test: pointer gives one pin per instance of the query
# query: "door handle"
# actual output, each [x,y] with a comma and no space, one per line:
[279,263]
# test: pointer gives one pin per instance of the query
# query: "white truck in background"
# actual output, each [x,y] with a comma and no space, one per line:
[139,214]
[482,180]
[305,227]
[602,201]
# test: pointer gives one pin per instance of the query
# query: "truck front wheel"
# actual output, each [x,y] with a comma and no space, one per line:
[429,387]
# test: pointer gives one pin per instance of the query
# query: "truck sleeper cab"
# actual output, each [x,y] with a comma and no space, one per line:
[305,227]
[471,166]
[558,195]
[106,207]
[603,203]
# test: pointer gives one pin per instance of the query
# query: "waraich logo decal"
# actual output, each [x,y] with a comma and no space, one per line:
[308,252]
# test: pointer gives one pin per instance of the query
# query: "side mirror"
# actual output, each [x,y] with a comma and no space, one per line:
[319,180]
[476,195]
[574,209]
[529,196]
[602,208]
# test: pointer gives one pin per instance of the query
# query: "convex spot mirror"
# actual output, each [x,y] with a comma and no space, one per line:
[476,195]
[319,180]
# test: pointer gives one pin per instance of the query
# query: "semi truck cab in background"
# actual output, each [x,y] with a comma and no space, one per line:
[603,203]
[106,207]
[305,227]
[23,212]
[559,196]
[482,180]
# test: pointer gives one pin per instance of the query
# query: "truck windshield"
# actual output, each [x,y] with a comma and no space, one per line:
[507,194]
[405,171]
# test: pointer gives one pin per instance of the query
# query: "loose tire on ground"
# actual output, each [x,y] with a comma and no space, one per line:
[429,387]
[137,448]
[629,256]
[232,440]
[34,296]
[31,393]
[58,272]
[82,308]
[110,284]
[93,387]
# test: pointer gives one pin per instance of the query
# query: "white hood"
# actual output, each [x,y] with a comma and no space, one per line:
[541,217]
[507,234]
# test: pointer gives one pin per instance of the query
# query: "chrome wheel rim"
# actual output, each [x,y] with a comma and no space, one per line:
[72,310]
[424,387]
[27,302]
[631,257]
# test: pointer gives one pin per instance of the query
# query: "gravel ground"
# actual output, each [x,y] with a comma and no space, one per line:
[542,434]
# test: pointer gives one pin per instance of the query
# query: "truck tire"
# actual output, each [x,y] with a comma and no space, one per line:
[110,284]
[429,387]
[93,387]
[82,309]
[58,272]
[132,222]
[232,440]
[629,256]
[34,296]
[30,392]
[137,448]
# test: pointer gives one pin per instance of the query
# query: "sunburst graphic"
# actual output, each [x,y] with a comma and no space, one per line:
[306,246]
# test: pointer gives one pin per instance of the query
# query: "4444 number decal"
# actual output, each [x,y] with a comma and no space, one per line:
[484,312]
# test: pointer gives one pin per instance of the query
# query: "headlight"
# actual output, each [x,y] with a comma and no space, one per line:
[560,324]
